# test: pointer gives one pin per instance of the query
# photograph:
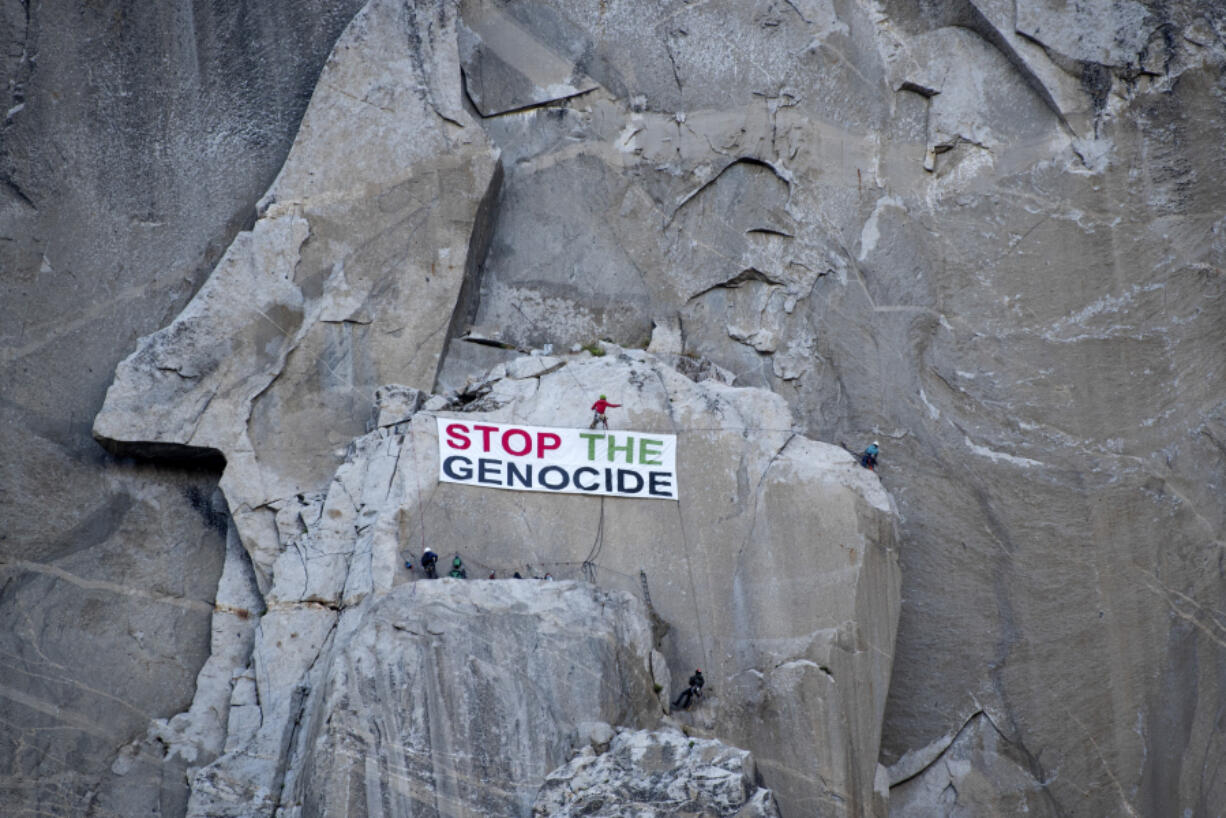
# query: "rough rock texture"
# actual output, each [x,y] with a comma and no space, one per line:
[348,280]
[447,697]
[975,772]
[766,517]
[986,232]
[774,573]
[662,773]
[100,641]
[134,142]
[775,570]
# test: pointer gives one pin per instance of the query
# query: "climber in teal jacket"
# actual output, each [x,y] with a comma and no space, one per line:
[869,459]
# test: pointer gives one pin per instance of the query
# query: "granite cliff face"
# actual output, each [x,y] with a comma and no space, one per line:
[134,143]
[347,280]
[776,572]
[986,233]
[448,698]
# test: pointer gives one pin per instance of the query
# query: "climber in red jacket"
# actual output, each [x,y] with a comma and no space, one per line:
[599,408]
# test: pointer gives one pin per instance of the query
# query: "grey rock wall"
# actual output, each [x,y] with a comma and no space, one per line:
[440,698]
[134,142]
[458,698]
[349,278]
[798,677]
[238,373]
[974,772]
[984,232]
[775,571]
[360,693]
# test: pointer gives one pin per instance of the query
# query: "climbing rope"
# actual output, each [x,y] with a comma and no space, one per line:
[685,543]
[421,501]
[589,564]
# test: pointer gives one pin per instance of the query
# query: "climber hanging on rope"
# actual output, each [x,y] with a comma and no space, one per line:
[868,457]
[428,561]
[599,408]
[457,569]
[694,691]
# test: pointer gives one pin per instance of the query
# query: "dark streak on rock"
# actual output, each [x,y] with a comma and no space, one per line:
[218,519]
[1096,80]
[176,454]
[14,191]
[468,300]
[743,277]
[767,231]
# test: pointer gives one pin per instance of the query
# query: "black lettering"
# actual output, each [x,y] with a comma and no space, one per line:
[622,474]
[513,474]
[608,481]
[449,468]
[588,470]
[655,479]
[489,471]
[541,475]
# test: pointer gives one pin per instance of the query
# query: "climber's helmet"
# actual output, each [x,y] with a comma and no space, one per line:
[602,397]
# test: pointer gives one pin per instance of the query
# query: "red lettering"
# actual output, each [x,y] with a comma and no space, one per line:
[457,434]
[485,435]
[506,441]
[555,442]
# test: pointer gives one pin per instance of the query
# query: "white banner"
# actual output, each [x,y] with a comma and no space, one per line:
[563,461]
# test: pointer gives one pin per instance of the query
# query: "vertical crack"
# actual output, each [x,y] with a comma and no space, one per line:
[468,301]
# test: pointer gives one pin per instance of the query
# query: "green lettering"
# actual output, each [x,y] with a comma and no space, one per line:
[649,448]
[591,439]
[628,448]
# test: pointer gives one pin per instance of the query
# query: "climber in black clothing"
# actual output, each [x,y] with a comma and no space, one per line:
[428,559]
[690,693]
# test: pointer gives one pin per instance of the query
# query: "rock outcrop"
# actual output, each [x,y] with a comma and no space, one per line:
[648,774]
[349,279]
[792,621]
[445,697]
[986,233]
[134,143]
[775,570]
